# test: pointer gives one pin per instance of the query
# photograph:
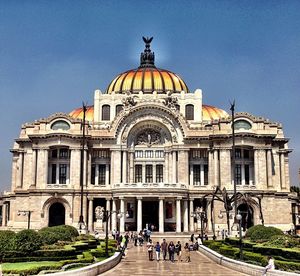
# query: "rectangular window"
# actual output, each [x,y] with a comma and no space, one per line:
[54,153]
[149,174]
[159,173]
[199,154]
[93,174]
[138,173]
[63,153]
[205,174]
[247,174]
[238,174]
[62,173]
[238,153]
[246,154]
[101,178]
[197,175]
[53,174]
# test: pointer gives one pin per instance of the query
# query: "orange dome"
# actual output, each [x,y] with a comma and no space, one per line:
[209,113]
[147,79]
[78,113]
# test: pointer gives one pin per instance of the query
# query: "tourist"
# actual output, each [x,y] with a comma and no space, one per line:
[223,234]
[157,251]
[135,237]
[164,249]
[150,250]
[270,266]
[187,253]
[192,238]
[171,249]
[178,251]
[114,233]
[199,241]
[206,237]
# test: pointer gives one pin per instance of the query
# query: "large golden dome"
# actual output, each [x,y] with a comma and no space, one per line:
[147,78]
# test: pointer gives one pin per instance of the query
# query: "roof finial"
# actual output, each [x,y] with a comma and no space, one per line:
[147,57]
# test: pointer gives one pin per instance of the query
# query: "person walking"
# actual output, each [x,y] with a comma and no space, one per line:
[171,249]
[150,250]
[164,249]
[157,251]
[178,251]
[187,253]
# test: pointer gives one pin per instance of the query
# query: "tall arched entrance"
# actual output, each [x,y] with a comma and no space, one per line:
[247,216]
[57,214]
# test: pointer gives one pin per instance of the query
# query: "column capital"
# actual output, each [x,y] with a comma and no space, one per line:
[179,198]
[108,198]
[139,197]
[161,197]
[90,197]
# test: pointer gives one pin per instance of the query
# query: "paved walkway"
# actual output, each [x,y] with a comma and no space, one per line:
[136,263]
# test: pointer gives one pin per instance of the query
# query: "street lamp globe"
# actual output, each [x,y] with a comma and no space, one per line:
[238,217]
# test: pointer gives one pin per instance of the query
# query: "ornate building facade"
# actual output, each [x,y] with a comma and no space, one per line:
[153,150]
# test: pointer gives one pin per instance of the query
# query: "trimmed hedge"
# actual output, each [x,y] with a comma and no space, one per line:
[27,241]
[288,266]
[283,241]
[285,253]
[262,233]
[6,240]
[53,234]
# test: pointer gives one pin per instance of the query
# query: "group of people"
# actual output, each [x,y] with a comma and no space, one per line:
[170,249]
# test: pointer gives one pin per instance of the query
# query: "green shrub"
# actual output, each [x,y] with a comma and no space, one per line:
[27,241]
[50,235]
[283,253]
[288,266]
[6,240]
[283,241]
[253,229]
[229,251]
[264,233]
[255,258]
[56,253]
[81,246]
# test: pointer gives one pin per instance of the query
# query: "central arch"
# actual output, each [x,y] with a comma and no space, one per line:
[247,216]
[57,214]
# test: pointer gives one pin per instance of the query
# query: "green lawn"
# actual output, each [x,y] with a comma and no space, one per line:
[30,267]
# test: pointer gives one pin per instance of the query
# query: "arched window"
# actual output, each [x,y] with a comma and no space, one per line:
[242,124]
[105,112]
[60,124]
[119,108]
[189,112]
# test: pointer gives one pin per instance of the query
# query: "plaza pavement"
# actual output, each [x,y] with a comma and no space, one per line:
[136,263]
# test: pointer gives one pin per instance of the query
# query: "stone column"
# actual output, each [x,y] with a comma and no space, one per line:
[202,175]
[166,173]
[139,214]
[183,167]
[115,167]
[106,175]
[4,215]
[34,166]
[269,167]
[185,216]
[210,168]
[174,169]
[84,167]
[178,215]
[46,153]
[20,170]
[191,175]
[144,173]
[91,212]
[170,168]
[161,215]
[256,167]
[282,170]
[114,216]
[89,168]
[122,219]
[216,168]
[131,167]
[124,169]
[108,209]
[191,218]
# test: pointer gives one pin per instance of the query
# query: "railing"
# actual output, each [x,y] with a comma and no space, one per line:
[150,185]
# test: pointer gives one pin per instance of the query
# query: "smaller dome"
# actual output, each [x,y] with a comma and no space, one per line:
[78,113]
[210,113]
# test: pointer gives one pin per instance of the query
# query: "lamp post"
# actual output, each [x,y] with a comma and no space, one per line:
[232,107]
[199,214]
[107,217]
[25,213]
[81,224]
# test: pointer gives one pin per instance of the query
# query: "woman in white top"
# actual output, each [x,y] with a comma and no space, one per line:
[270,266]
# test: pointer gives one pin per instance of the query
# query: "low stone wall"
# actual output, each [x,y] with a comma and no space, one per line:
[94,269]
[249,269]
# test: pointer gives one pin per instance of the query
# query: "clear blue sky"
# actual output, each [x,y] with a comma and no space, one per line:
[54,54]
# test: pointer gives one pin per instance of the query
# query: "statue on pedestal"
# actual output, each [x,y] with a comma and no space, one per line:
[99,213]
